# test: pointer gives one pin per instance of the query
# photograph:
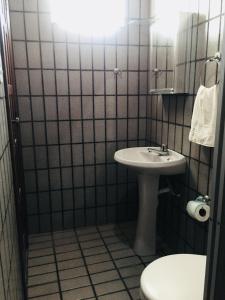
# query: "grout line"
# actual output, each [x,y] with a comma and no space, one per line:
[85,264]
[57,270]
[121,278]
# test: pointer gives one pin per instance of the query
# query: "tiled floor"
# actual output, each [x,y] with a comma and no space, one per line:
[87,263]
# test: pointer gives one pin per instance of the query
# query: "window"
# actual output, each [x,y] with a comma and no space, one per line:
[169,14]
[89,17]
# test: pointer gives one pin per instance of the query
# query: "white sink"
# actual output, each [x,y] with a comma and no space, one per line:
[149,163]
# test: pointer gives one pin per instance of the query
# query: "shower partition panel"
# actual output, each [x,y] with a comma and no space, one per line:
[215,270]
[13,121]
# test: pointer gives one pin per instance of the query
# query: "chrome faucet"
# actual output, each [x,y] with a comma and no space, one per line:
[161,152]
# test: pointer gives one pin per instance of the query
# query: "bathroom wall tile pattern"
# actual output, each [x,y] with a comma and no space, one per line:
[87,263]
[168,122]
[75,113]
[10,277]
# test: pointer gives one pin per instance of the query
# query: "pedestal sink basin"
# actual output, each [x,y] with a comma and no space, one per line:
[149,163]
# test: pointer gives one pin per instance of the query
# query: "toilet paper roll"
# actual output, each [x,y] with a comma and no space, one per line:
[199,211]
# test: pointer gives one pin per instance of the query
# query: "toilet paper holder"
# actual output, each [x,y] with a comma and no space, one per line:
[199,208]
[204,199]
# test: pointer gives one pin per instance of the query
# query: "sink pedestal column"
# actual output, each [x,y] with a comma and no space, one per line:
[145,240]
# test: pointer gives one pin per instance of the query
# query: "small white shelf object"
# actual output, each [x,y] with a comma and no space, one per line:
[166,91]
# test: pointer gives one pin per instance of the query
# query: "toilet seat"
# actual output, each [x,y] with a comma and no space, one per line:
[174,277]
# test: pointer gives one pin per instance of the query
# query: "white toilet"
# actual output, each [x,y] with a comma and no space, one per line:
[174,277]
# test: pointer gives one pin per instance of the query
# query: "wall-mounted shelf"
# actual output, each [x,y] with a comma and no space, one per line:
[146,21]
[167,91]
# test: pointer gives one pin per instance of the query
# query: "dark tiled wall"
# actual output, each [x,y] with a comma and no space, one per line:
[10,277]
[169,119]
[75,113]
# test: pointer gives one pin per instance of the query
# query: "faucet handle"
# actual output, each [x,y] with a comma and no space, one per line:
[164,148]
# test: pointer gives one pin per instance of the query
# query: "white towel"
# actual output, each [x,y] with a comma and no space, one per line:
[203,123]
